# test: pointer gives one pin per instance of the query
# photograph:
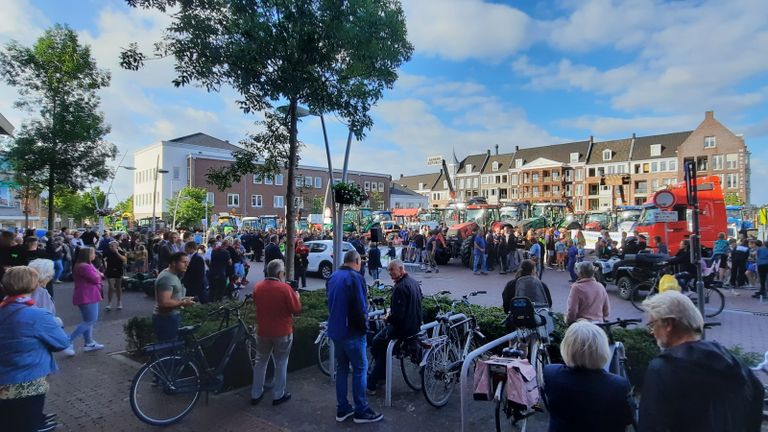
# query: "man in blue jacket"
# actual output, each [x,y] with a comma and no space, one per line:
[348,314]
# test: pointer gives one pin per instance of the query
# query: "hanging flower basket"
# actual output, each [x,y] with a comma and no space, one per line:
[349,193]
[104,212]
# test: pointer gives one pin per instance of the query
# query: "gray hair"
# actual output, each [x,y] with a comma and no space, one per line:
[396,263]
[676,306]
[274,267]
[585,345]
[44,268]
[585,269]
[351,257]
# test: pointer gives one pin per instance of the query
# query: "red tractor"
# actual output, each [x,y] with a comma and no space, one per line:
[460,237]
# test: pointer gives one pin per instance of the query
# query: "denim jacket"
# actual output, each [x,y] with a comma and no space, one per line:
[28,335]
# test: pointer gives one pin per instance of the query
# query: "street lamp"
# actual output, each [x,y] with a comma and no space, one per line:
[109,190]
[158,171]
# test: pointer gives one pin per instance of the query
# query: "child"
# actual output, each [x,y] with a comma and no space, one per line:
[560,249]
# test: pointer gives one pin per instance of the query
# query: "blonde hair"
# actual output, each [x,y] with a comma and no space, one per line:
[675,306]
[19,280]
[585,345]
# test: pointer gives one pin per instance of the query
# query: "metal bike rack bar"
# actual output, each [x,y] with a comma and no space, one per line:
[332,349]
[388,377]
[463,388]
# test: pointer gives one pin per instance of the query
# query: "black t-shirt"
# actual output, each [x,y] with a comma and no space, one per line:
[418,240]
[219,262]
[88,238]
[115,265]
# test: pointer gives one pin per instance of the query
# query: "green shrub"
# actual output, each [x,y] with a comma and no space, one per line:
[747,358]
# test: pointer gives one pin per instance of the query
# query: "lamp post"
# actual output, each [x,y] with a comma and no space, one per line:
[158,171]
[109,190]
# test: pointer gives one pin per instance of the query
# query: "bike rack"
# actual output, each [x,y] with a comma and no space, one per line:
[463,387]
[332,349]
[388,377]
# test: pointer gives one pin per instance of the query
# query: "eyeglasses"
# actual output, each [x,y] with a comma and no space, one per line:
[650,324]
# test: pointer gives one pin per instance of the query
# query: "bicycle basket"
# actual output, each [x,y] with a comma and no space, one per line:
[522,314]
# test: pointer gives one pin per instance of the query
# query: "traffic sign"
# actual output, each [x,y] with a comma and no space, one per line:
[664,199]
[666,216]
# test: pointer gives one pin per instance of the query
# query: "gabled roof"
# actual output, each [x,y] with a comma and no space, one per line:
[557,152]
[476,160]
[399,190]
[504,160]
[205,140]
[619,151]
[412,182]
[669,144]
[541,162]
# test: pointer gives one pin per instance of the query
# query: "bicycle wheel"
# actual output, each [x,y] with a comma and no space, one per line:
[714,301]
[501,408]
[411,372]
[436,381]
[539,359]
[324,355]
[165,390]
[640,292]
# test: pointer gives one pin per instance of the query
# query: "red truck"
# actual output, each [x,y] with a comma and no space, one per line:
[712,216]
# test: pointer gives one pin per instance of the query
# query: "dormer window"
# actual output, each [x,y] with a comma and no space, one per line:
[655,150]
[469,168]
[710,142]
[518,163]
[575,157]
[421,186]
[607,155]
[495,166]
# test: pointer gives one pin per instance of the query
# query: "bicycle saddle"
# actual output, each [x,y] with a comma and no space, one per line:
[512,353]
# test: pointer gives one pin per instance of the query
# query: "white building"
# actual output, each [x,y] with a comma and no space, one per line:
[403,198]
[172,156]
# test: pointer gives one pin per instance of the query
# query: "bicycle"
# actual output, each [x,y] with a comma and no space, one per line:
[618,363]
[168,386]
[446,351]
[714,300]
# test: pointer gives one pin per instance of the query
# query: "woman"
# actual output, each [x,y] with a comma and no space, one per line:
[761,255]
[580,394]
[301,261]
[28,335]
[45,271]
[116,260]
[140,258]
[720,253]
[526,285]
[86,296]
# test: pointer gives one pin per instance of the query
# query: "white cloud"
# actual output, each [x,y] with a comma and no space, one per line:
[613,127]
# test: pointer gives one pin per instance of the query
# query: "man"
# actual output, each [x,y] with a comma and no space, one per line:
[194,278]
[479,253]
[276,303]
[272,252]
[403,320]
[535,254]
[694,385]
[169,298]
[106,239]
[165,250]
[89,237]
[503,250]
[587,299]
[219,270]
[347,326]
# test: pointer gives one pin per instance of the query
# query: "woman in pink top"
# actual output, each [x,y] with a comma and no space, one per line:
[587,299]
[86,296]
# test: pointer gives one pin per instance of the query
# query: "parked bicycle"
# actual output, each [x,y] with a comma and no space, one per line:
[714,300]
[168,386]
[447,350]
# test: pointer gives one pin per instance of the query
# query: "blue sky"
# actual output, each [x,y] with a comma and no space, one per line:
[483,73]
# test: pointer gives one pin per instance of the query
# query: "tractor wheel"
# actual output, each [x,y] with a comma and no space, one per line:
[466,251]
[442,257]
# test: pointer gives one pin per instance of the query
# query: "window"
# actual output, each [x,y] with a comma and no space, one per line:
[256,179]
[535,177]
[176,173]
[318,182]
[298,202]
[579,174]
[732,161]
[475,182]
[607,155]
[462,185]
[299,181]
[381,186]
[718,162]
[662,165]
[518,163]
[655,149]
[702,163]
[209,196]
[574,157]
[308,181]
[367,185]
[257,201]
[278,201]
[469,168]
[732,181]
[279,180]
[555,176]
[673,165]
[495,166]
[268,180]
[373,186]
[654,166]
[722,179]
[484,179]
[233,200]
[513,179]
[710,142]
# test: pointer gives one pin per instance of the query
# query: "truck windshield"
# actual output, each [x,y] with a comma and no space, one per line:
[648,216]
[629,215]
[476,215]
[510,214]
[733,214]
[598,217]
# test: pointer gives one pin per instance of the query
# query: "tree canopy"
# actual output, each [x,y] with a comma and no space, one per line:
[62,146]
[80,206]
[191,207]
[330,55]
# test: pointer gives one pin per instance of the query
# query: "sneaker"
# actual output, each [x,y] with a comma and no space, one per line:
[69,351]
[484,273]
[343,415]
[370,392]
[285,398]
[57,281]
[108,308]
[47,418]
[93,346]
[48,427]
[119,306]
[367,416]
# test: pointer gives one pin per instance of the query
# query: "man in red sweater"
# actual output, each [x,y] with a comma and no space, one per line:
[276,303]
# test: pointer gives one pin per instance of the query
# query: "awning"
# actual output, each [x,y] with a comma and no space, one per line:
[405,212]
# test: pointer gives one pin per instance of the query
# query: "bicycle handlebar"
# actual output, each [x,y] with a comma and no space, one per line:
[619,322]
[709,325]
[222,309]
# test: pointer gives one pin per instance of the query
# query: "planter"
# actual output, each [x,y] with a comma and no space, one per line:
[339,197]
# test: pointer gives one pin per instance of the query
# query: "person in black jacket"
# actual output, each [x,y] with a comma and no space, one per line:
[194,278]
[694,385]
[272,252]
[403,320]
[258,247]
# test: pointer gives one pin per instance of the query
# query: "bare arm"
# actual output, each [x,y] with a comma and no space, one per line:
[164,301]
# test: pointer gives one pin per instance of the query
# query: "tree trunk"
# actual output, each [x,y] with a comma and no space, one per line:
[290,211]
[51,215]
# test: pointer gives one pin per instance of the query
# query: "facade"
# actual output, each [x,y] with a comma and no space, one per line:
[188,159]
[653,164]
[12,206]
[607,174]
[402,198]
[494,179]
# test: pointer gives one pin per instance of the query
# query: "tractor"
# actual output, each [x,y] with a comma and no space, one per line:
[460,236]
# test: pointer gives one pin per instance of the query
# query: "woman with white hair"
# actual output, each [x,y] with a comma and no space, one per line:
[45,272]
[581,394]
[587,299]
[694,385]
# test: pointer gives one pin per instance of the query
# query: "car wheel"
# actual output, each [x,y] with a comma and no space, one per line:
[326,269]
[624,284]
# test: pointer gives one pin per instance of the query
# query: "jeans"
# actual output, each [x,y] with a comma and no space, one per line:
[348,352]
[166,326]
[762,271]
[67,271]
[571,265]
[90,313]
[374,272]
[279,348]
[478,258]
[58,269]
[23,414]
[512,261]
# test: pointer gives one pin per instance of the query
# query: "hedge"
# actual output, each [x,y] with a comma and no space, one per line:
[640,345]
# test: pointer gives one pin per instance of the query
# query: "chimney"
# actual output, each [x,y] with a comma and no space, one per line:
[497,149]
[633,135]
[709,115]
[488,152]
[591,139]
[517,148]
[401,175]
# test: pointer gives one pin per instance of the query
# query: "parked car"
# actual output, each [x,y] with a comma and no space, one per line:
[321,256]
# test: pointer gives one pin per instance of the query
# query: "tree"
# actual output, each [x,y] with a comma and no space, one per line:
[733,199]
[125,206]
[377,200]
[79,206]
[330,55]
[63,146]
[191,207]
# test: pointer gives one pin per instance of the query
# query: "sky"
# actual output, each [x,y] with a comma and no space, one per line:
[483,73]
